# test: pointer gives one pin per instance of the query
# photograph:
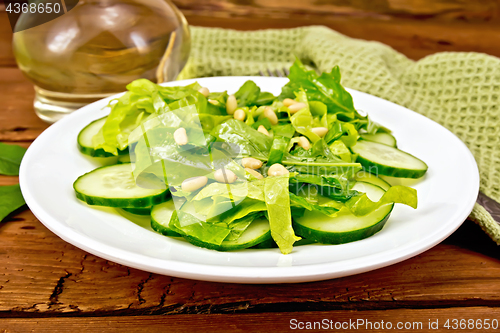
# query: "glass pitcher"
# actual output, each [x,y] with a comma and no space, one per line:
[97,48]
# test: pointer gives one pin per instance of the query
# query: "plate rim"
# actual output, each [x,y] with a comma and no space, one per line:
[241,274]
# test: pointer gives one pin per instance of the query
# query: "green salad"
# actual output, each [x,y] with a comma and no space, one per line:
[247,170]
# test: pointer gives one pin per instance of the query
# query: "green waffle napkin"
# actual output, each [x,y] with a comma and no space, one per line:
[458,90]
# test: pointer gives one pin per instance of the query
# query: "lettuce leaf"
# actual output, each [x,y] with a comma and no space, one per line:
[338,148]
[253,190]
[128,111]
[242,209]
[362,205]
[188,225]
[279,214]
[312,206]
[303,120]
[239,226]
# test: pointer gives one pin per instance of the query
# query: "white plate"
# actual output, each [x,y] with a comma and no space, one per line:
[446,196]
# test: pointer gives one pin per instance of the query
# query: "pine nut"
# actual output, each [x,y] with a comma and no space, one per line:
[277,170]
[213,102]
[254,173]
[269,114]
[231,104]
[192,184]
[263,130]
[288,101]
[240,115]
[251,163]
[319,131]
[204,91]
[304,143]
[294,108]
[180,136]
[225,176]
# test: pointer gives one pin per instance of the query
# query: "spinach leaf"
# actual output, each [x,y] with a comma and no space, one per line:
[11,199]
[10,159]
[334,186]
[278,149]
[335,131]
[248,94]
[264,122]
[250,141]
[325,88]
[265,98]
[318,160]
[286,130]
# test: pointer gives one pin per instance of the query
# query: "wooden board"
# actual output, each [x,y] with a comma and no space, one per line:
[421,320]
[18,121]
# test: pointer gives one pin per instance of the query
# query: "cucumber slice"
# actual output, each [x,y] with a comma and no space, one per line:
[257,232]
[384,138]
[85,136]
[363,176]
[160,218]
[114,186]
[138,211]
[388,161]
[123,159]
[141,220]
[271,244]
[345,228]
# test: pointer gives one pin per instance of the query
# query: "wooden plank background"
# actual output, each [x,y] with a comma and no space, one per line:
[414,27]
[271,322]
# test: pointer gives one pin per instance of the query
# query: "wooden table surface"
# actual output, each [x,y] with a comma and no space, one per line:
[49,285]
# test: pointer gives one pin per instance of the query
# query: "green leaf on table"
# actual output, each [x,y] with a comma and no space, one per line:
[10,200]
[10,159]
